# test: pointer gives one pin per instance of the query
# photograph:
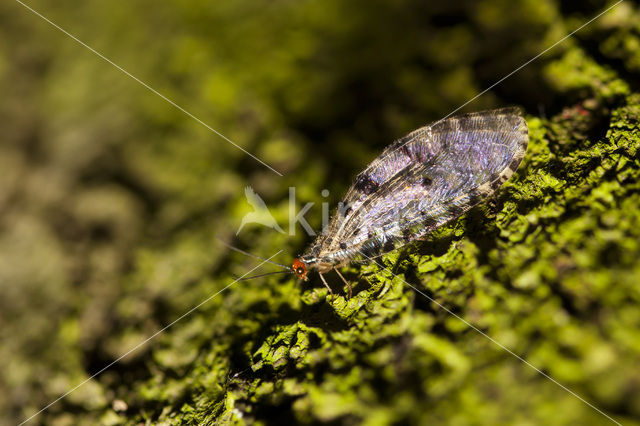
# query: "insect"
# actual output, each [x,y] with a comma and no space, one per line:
[420,182]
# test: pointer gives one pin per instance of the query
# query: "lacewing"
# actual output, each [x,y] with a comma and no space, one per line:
[420,182]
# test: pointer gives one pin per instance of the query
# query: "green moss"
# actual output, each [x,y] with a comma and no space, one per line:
[576,71]
[113,203]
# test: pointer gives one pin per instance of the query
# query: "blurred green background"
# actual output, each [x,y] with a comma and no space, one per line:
[111,201]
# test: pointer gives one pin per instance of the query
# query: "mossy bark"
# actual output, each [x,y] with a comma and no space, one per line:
[103,247]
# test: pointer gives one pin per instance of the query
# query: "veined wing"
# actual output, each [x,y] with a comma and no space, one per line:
[426,179]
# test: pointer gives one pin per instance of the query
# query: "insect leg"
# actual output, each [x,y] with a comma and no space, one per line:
[326,285]
[346,282]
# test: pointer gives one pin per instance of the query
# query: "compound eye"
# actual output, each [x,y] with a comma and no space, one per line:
[299,268]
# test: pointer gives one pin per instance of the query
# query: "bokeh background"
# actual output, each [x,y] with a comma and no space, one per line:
[112,200]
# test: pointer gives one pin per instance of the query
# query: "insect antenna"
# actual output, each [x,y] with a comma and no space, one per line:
[246,253]
[264,275]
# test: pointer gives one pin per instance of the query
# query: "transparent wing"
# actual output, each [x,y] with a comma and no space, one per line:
[426,179]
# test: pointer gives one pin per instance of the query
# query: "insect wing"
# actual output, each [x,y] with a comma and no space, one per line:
[428,178]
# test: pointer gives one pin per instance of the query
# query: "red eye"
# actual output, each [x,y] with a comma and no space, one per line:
[300,269]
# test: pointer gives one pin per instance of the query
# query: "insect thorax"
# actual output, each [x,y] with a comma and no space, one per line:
[320,257]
